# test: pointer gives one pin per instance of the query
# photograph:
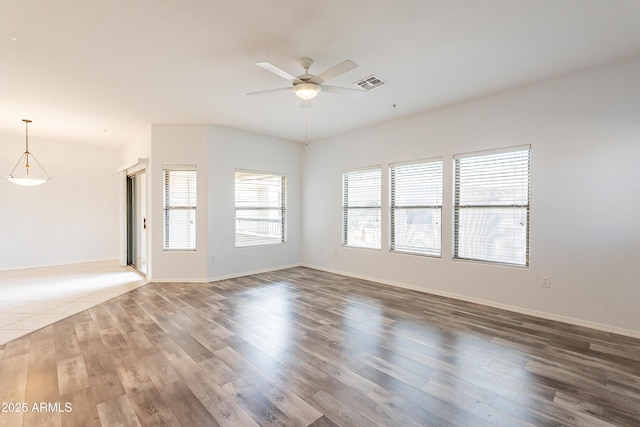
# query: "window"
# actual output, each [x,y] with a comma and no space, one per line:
[260,208]
[416,207]
[179,209]
[491,206]
[361,208]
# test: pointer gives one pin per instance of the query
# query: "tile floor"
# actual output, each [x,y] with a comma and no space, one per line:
[36,297]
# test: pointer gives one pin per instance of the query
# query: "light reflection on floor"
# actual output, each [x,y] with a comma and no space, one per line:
[264,311]
[33,298]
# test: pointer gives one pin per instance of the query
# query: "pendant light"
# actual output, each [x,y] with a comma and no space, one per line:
[22,173]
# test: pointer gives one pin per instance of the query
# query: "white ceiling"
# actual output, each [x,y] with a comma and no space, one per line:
[97,71]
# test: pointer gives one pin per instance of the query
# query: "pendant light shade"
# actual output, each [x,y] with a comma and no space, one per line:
[23,173]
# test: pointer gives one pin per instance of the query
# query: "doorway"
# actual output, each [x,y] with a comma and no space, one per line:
[137,221]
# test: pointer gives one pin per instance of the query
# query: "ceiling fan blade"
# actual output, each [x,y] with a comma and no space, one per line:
[262,92]
[356,93]
[277,71]
[337,70]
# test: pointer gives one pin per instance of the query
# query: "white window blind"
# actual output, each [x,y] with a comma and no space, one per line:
[361,208]
[491,206]
[260,208]
[179,201]
[416,207]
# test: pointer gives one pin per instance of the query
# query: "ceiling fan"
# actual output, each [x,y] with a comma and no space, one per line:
[306,85]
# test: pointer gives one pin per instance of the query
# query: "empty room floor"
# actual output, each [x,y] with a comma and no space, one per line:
[302,347]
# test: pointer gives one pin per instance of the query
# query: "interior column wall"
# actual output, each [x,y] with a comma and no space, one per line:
[177,145]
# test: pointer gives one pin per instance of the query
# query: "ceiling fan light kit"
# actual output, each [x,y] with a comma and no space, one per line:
[27,177]
[306,90]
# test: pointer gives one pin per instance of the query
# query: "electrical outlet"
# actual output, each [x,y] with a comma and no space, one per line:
[545,282]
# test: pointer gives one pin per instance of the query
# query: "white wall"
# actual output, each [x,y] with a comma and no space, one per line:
[584,132]
[176,145]
[70,219]
[138,147]
[229,150]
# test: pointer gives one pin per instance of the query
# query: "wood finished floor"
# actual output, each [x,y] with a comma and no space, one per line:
[302,347]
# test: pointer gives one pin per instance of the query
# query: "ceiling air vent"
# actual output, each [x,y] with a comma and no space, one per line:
[370,82]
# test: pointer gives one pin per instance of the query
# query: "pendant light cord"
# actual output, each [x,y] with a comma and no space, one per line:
[26,125]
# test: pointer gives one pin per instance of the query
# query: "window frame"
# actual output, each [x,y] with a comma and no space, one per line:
[281,209]
[346,208]
[393,206]
[459,207]
[167,207]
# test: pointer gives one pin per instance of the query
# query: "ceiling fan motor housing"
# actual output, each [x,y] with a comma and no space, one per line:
[306,78]
[306,63]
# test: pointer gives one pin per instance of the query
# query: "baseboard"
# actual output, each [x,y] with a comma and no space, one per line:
[541,314]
